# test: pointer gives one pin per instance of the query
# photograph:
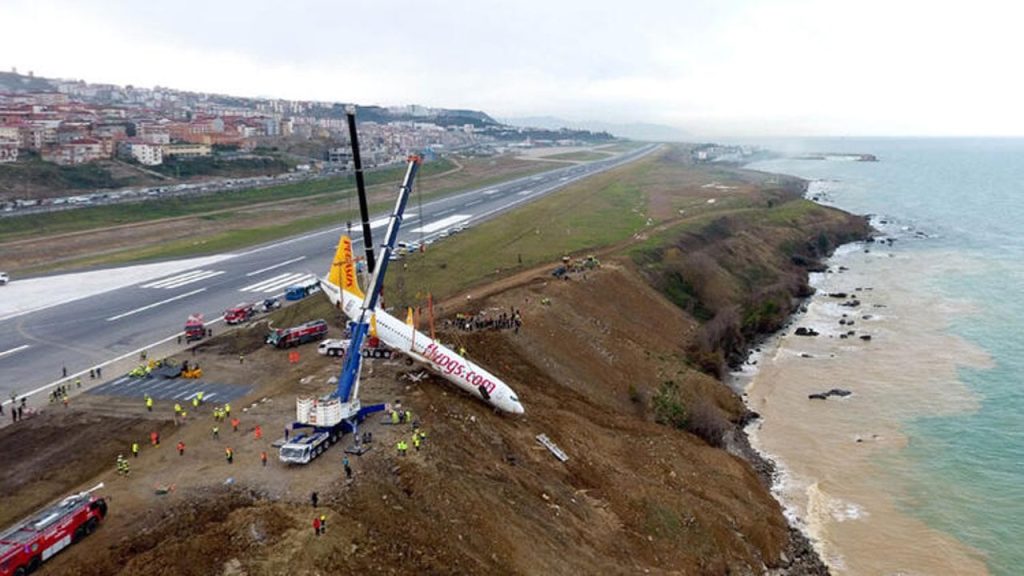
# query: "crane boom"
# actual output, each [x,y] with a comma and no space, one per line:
[349,378]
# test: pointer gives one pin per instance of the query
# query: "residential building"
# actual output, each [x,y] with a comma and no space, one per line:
[141,151]
[77,152]
[186,150]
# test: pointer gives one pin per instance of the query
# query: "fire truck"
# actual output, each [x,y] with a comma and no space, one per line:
[26,545]
[195,329]
[240,313]
[296,335]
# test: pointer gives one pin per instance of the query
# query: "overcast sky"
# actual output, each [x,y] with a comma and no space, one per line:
[715,68]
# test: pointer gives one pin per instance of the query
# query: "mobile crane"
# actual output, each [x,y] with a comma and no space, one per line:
[329,417]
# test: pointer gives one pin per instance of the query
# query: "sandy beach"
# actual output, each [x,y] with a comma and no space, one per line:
[836,457]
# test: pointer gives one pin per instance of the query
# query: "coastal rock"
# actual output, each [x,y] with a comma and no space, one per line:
[866,337]
[803,331]
[837,295]
[840,392]
[851,303]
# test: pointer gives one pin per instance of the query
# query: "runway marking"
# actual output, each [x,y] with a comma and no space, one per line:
[269,268]
[384,221]
[473,203]
[278,282]
[209,274]
[155,304]
[179,280]
[442,224]
[489,192]
[13,350]
[525,192]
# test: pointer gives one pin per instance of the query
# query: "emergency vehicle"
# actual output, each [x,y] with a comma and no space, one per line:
[239,313]
[296,335]
[26,545]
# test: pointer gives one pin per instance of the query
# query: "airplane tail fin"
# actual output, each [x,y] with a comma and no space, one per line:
[343,269]
[408,318]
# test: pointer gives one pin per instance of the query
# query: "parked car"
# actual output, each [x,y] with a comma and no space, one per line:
[4,278]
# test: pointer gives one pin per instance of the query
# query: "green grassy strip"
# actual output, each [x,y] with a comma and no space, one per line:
[604,210]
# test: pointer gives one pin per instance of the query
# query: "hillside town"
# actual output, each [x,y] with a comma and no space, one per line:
[72,122]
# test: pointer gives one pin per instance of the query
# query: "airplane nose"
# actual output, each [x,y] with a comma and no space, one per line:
[517,408]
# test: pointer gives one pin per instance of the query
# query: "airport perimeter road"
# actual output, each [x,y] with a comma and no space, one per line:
[119,323]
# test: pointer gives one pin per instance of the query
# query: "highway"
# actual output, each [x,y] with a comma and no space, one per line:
[119,323]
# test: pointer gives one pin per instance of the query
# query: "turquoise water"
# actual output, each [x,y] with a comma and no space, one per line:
[964,473]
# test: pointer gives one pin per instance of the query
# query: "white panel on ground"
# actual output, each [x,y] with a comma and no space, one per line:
[442,224]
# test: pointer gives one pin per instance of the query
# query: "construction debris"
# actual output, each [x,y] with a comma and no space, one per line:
[552,447]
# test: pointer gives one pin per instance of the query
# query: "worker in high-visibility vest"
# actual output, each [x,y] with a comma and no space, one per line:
[195,401]
[149,403]
[135,449]
[177,409]
[394,416]
[227,410]
[416,441]
[199,396]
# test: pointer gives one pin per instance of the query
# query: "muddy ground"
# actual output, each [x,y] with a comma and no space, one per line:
[482,496]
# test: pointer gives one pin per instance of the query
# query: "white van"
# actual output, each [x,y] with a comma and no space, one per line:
[332,347]
[4,278]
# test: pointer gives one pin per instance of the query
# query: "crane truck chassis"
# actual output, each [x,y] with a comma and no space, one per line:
[26,545]
[315,440]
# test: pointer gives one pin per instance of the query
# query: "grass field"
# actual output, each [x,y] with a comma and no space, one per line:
[35,225]
[600,211]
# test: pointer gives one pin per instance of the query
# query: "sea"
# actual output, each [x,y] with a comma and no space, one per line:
[920,469]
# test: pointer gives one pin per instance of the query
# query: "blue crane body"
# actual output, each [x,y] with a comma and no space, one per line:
[344,399]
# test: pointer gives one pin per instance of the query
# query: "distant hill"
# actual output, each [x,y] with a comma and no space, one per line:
[633,131]
[12,82]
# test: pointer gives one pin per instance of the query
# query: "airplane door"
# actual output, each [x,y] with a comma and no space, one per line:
[484,393]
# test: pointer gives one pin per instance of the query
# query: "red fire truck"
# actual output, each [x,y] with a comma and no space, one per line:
[288,337]
[195,329]
[26,545]
[240,313]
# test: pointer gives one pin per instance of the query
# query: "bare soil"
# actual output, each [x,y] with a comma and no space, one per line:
[482,496]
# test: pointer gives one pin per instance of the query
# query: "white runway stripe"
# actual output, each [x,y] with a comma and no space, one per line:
[275,287]
[183,279]
[277,282]
[208,274]
[259,286]
[269,268]
[155,304]
[174,278]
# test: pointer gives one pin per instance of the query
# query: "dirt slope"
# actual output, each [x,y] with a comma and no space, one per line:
[481,497]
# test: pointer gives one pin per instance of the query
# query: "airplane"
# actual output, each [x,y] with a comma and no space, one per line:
[342,289]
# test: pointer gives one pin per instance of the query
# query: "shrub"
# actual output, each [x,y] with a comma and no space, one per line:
[707,422]
[668,406]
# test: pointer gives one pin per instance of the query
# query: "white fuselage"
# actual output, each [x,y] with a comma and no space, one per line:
[438,357]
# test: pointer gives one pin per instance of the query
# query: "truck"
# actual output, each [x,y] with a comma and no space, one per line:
[296,335]
[29,543]
[239,313]
[195,328]
[324,420]
[302,289]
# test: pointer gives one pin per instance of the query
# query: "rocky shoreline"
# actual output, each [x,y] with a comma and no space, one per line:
[800,557]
